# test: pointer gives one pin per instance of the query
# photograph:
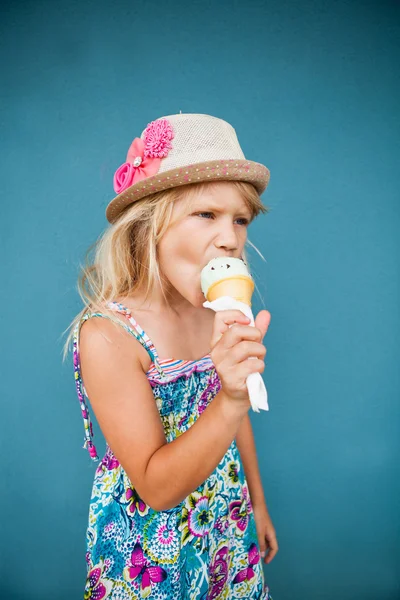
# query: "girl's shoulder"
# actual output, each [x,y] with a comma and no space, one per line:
[98,331]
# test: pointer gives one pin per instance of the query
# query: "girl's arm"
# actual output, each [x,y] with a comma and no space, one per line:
[162,473]
[179,467]
[247,449]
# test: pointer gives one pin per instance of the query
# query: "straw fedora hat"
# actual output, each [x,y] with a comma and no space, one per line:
[178,150]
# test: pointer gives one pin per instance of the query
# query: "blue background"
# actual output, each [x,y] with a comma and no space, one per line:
[313,91]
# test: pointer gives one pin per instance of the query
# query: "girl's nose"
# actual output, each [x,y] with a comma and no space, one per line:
[227,238]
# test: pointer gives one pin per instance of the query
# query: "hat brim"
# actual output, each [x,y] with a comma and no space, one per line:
[215,170]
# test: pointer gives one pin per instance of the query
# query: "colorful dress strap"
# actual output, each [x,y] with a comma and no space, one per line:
[148,344]
[138,333]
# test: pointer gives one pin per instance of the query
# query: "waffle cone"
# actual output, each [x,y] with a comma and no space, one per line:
[240,287]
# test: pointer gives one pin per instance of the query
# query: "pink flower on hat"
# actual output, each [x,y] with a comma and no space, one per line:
[157,138]
[144,155]
[136,167]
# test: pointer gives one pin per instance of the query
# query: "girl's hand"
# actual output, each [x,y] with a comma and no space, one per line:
[266,533]
[233,343]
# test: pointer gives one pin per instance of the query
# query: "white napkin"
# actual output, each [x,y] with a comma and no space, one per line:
[255,384]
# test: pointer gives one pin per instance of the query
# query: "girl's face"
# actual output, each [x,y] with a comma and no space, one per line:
[215,225]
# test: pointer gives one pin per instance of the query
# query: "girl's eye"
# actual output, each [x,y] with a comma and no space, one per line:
[244,221]
[205,213]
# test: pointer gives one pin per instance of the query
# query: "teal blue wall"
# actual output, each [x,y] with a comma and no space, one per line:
[313,90]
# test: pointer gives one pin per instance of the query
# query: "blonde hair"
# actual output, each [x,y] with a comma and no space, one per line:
[125,255]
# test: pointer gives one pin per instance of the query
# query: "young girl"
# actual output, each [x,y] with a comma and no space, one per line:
[177,507]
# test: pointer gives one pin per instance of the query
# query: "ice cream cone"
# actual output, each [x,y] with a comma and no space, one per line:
[227,276]
[239,287]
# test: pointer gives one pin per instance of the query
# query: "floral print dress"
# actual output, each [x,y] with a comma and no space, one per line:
[204,548]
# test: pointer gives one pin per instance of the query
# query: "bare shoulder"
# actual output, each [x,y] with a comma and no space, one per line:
[101,335]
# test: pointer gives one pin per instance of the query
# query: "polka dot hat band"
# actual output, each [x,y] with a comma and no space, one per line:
[181,149]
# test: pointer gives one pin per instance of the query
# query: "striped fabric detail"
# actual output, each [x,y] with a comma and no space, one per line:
[178,367]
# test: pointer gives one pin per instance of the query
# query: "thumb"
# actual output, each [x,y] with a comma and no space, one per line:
[262,321]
